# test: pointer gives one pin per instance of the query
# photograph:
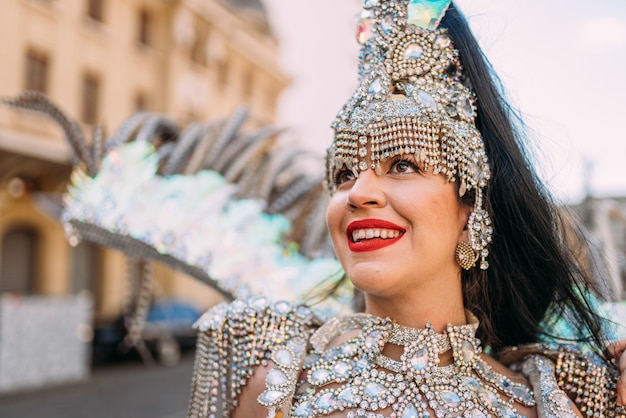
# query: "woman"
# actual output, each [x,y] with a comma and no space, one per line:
[437,217]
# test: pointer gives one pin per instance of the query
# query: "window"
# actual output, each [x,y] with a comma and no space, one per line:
[198,52]
[143,34]
[85,267]
[141,102]
[247,84]
[91,98]
[36,71]
[18,260]
[222,73]
[95,10]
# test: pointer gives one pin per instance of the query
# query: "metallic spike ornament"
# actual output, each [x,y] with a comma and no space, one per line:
[410,100]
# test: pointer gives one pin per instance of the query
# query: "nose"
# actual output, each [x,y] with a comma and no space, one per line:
[367,191]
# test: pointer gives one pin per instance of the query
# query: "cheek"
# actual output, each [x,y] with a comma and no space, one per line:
[449,217]
[435,210]
[334,215]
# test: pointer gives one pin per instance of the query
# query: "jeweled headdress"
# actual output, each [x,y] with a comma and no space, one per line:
[410,100]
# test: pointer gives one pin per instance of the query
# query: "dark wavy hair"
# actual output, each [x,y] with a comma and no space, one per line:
[532,270]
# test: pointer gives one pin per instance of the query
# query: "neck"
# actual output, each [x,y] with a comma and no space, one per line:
[438,307]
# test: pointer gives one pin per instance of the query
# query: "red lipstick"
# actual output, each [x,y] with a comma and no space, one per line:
[371,244]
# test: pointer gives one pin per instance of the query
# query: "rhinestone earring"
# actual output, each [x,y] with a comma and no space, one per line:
[465,255]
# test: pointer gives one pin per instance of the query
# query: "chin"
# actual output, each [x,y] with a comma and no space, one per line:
[368,281]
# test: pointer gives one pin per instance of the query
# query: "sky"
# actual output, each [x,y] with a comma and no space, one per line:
[561,62]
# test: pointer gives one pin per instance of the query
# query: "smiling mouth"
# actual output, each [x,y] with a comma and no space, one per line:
[359,235]
[372,234]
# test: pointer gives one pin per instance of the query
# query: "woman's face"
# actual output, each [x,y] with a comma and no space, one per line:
[397,232]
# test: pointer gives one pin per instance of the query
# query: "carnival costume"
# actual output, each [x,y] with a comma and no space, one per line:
[410,100]
[217,204]
[235,339]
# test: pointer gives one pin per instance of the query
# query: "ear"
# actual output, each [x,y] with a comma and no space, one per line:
[464,213]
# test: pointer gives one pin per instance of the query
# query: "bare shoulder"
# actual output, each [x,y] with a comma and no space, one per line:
[248,405]
[504,370]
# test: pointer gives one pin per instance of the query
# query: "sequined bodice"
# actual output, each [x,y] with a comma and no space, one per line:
[357,377]
[339,368]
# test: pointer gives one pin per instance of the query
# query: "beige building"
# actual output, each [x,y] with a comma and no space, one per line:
[605,223]
[101,61]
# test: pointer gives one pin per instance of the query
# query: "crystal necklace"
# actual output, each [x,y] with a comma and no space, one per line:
[357,376]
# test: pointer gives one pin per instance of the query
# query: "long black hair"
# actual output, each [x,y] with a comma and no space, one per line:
[531,268]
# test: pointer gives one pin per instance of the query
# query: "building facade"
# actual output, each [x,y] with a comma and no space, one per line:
[605,226]
[101,61]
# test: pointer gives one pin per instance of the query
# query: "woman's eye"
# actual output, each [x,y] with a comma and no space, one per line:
[343,176]
[404,166]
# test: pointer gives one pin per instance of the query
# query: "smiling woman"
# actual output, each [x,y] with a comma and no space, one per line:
[438,219]
[413,205]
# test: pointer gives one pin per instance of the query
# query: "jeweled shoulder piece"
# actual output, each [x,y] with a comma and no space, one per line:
[579,376]
[234,339]
[411,101]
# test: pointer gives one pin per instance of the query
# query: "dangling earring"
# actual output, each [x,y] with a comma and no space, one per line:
[465,255]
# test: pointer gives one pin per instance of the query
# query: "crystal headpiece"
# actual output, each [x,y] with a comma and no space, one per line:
[410,100]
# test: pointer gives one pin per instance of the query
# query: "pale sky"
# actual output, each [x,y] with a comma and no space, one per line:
[562,63]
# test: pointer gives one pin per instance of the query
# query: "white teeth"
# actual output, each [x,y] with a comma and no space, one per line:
[361,234]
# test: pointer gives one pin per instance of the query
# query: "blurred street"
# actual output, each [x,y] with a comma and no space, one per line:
[126,389]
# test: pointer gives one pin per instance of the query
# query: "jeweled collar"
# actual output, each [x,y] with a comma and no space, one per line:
[425,342]
[413,383]
[393,333]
